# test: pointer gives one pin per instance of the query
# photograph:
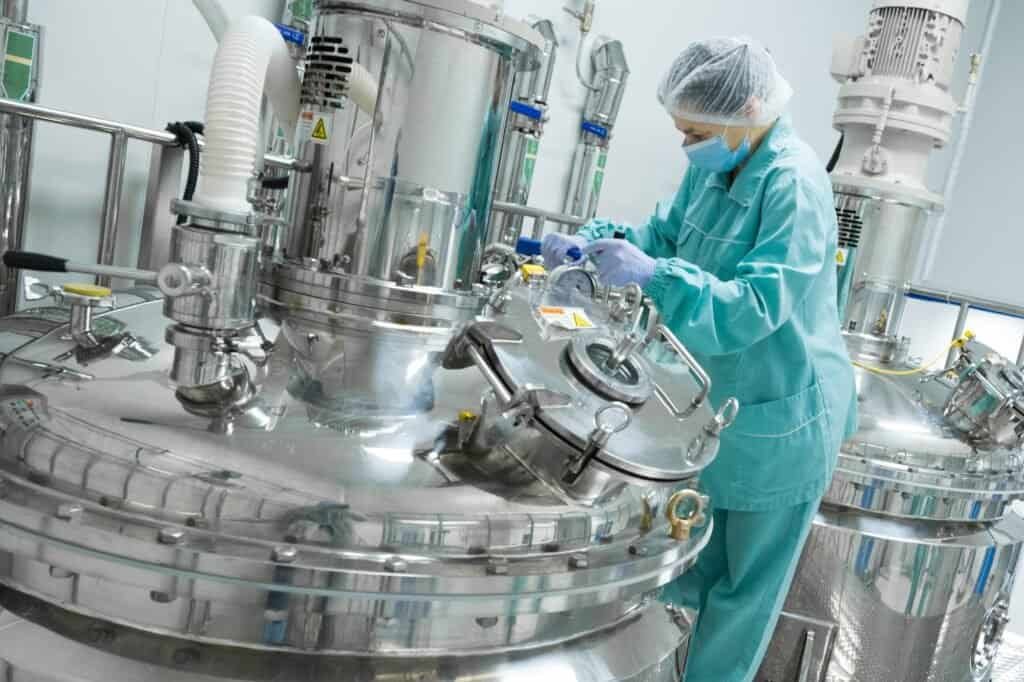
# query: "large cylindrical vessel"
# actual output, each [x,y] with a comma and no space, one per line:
[516,522]
[909,566]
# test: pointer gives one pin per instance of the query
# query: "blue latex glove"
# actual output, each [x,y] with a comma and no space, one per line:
[619,262]
[555,248]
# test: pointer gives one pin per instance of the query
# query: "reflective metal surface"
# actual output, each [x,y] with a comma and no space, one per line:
[650,648]
[908,601]
[424,164]
[325,524]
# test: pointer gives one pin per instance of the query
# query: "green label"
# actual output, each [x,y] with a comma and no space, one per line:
[301,10]
[530,162]
[19,51]
[602,162]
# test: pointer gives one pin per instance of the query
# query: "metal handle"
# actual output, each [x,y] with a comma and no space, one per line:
[679,528]
[702,378]
[604,429]
[724,418]
[501,392]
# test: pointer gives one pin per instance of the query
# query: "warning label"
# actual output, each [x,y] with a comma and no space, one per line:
[321,132]
[841,257]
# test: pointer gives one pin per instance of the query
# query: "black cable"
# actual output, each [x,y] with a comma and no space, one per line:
[835,155]
[186,132]
[276,182]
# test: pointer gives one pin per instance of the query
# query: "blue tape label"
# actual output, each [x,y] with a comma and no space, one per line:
[291,35]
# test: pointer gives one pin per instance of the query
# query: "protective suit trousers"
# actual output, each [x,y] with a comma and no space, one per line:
[739,584]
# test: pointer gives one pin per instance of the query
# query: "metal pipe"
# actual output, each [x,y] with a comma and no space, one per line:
[16,137]
[531,212]
[112,202]
[15,10]
[958,331]
[1020,354]
[960,147]
[361,246]
[132,132]
[985,304]
[111,271]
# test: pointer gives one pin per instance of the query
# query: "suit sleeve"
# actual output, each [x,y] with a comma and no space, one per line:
[717,317]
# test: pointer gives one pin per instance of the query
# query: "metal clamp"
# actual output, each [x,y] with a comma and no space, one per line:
[680,527]
[177,279]
[604,429]
[725,417]
[701,377]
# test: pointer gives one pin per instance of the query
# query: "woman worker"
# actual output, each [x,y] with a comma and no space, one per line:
[741,267]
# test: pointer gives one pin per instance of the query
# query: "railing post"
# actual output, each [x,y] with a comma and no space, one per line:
[112,201]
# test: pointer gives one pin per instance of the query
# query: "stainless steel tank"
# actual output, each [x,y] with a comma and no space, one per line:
[909,566]
[401,456]
[516,520]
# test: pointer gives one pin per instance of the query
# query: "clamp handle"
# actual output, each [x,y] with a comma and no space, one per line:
[698,373]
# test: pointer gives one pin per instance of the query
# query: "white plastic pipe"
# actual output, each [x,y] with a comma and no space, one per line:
[251,55]
[215,16]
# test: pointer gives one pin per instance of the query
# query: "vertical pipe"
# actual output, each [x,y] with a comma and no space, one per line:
[961,141]
[1020,354]
[361,247]
[16,134]
[958,331]
[15,10]
[112,201]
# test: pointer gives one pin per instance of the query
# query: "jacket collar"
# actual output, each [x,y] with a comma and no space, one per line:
[748,182]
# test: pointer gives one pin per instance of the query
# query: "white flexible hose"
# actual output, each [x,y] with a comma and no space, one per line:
[251,53]
[215,16]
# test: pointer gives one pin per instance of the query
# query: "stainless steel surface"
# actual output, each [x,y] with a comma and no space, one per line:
[112,202]
[161,137]
[600,113]
[354,532]
[880,238]
[1009,665]
[228,301]
[524,130]
[429,154]
[539,214]
[112,271]
[909,599]
[647,649]
[16,138]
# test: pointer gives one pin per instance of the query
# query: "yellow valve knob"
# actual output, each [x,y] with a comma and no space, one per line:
[532,270]
[90,290]
[679,528]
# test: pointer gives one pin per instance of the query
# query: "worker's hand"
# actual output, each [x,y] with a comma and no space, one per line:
[556,246]
[619,262]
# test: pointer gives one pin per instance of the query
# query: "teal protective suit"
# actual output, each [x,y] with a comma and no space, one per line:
[746,278]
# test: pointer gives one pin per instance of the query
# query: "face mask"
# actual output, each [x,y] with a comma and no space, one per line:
[714,154]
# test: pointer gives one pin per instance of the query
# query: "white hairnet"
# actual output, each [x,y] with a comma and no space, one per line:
[727,81]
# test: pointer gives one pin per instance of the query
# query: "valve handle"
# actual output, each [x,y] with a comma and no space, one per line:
[29,260]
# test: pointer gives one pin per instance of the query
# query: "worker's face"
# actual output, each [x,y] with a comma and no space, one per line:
[698,132]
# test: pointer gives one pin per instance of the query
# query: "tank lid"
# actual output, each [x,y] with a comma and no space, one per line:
[599,394]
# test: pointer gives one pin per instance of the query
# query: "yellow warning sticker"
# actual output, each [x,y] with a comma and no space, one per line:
[321,132]
[841,257]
